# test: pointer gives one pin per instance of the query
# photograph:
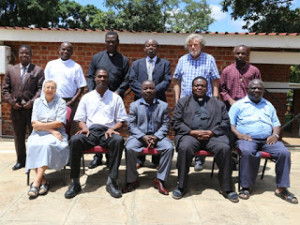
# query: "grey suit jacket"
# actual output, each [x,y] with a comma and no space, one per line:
[161,77]
[137,119]
[14,91]
[184,113]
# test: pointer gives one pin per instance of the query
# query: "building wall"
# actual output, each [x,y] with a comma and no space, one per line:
[45,51]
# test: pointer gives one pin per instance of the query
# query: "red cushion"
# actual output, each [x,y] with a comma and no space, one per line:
[149,151]
[96,149]
[203,153]
[265,154]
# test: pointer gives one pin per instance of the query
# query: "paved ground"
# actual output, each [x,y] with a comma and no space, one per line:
[201,205]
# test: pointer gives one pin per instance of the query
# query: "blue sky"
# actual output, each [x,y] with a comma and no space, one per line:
[223,21]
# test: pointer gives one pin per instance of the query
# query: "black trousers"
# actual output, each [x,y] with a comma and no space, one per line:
[80,142]
[187,147]
[21,120]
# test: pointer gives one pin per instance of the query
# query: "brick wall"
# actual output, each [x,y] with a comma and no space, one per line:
[45,51]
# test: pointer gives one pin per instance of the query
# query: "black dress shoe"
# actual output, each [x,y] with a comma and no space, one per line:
[18,166]
[113,191]
[96,162]
[73,190]
[130,187]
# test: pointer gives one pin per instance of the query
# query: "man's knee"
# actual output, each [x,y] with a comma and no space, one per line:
[117,139]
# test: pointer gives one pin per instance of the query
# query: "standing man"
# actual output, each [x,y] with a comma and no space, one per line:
[254,121]
[202,122]
[236,77]
[150,68]
[117,65]
[196,63]
[148,124]
[68,76]
[22,85]
[100,114]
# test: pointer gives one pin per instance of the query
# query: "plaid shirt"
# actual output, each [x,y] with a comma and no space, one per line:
[188,68]
[234,82]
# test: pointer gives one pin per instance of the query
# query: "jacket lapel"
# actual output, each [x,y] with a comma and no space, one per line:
[27,75]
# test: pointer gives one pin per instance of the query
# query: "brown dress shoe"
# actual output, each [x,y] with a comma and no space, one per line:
[159,185]
[130,187]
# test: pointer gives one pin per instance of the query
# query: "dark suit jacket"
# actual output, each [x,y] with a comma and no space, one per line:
[184,113]
[138,122]
[14,91]
[161,77]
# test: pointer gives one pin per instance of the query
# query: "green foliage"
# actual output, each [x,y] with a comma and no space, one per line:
[138,15]
[265,15]
[295,74]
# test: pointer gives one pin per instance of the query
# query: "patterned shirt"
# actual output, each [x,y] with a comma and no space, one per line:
[256,120]
[234,82]
[188,68]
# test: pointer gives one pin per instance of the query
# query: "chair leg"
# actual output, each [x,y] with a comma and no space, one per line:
[28,177]
[263,172]
[239,172]
[213,168]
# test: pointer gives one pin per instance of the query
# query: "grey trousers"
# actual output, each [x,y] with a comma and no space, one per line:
[133,149]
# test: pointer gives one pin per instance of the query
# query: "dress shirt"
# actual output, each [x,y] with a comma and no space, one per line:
[107,110]
[234,82]
[188,68]
[256,120]
[23,71]
[149,108]
[150,66]
[68,76]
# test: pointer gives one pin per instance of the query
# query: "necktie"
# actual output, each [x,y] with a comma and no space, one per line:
[23,74]
[150,69]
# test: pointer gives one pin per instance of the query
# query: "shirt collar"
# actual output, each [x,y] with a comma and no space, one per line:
[191,58]
[145,103]
[154,59]
[26,67]
[247,99]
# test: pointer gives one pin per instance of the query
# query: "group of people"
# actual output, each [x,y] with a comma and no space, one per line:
[39,101]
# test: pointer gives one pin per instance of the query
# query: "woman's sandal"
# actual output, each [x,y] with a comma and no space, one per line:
[244,194]
[231,196]
[44,188]
[33,191]
[287,196]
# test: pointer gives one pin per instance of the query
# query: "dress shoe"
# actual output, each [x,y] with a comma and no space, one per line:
[113,191]
[18,166]
[73,190]
[130,186]
[159,185]
[96,162]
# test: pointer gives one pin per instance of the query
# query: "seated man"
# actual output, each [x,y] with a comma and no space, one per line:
[149,124]
[201,122]
[100,114]
[255,123]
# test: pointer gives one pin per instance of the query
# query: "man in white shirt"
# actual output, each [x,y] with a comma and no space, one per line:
[68,76]
[100,114]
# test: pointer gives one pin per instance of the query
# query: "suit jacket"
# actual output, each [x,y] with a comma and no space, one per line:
[14,91]
[184,114]
[138,122]
[161,77]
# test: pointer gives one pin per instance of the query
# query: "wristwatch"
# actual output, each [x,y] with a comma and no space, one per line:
[276,135]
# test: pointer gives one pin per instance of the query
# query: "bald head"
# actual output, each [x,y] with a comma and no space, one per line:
[66,50]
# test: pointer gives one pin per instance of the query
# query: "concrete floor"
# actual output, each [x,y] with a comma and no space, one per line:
[201,205]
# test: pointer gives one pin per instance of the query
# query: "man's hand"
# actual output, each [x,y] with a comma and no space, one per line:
[201,134]
[28,105]
[109,132]
[36,125]
[231,101]
[17,106]
[272,139]
[150,140]
[84,131]
[244,137]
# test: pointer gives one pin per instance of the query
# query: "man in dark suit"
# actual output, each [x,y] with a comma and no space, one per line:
[148,124]
[150,68]
[22,85]
[202,122]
